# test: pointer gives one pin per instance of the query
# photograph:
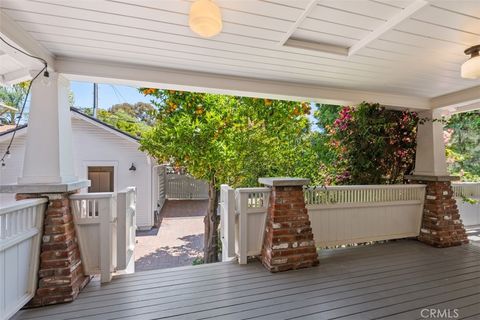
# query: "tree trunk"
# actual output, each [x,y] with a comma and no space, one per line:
[211,226]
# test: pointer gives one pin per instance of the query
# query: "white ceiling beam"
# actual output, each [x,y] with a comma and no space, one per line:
[457,99]
[466,108]
[390,24]
[449,111]
[310,6]
[147,76]
[16,76]
[316,46]
[17,37]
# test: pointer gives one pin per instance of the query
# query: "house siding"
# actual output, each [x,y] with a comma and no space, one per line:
[14,165]
[95,146]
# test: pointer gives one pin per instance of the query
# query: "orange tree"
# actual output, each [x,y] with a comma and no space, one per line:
[228,139]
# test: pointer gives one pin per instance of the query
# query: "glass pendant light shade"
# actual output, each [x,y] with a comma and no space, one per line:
[205,18]
[471,67]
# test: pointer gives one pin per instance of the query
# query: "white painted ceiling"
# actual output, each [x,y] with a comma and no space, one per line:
[419,56]
[8,64]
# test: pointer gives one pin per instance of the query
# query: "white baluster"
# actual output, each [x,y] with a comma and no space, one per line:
[3,226]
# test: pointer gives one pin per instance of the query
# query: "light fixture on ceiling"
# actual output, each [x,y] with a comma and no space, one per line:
[471,67]
[205,18]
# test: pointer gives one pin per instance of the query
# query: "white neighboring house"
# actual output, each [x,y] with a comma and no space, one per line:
[102,154]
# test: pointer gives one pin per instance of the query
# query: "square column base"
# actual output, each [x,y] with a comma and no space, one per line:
[60,275]
[441,223]
[288,242]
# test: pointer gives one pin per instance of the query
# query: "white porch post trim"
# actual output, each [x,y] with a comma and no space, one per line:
[166,78]
[430,156]
[48,152]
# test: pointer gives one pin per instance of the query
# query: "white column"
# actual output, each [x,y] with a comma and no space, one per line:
[430,156]
[48,152]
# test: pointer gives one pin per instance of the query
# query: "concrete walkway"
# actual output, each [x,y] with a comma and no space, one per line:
[177,242]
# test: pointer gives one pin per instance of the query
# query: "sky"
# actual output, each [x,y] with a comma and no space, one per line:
[108,94]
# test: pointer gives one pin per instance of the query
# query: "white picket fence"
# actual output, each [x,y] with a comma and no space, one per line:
[185,187]
[20,233]
[161,189]
[105,227]
[469,212]
[339,215]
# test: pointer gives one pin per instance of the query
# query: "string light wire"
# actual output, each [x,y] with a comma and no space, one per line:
[27,54]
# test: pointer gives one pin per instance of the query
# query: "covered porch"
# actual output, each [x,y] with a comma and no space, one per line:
[406,55]
[396,280]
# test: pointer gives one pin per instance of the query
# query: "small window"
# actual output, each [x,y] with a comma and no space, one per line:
[101,179]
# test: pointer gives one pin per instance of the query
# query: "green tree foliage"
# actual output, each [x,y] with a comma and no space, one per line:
[143,112]
[327,153]
[462,137]
[372,145]
[13,97]
[326,114]
[227,139]
[133,119]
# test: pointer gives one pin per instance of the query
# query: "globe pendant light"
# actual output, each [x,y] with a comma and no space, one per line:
[205,18]
[471,67]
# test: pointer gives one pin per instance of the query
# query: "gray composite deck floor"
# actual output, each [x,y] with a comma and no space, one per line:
[386,281]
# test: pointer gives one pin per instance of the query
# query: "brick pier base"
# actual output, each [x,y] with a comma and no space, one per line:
[441,223]
[60,276]
[288,241]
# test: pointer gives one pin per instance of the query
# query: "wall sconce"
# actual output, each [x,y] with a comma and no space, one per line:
[132,167]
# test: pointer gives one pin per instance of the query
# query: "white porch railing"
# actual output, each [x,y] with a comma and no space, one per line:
[251,207]
[339,215]
[243,211]
[127,225]
[95,219]
[466,189]
[353,214]
[469,211]
[226,207]
[185,187]
[20,233]
[105,226]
